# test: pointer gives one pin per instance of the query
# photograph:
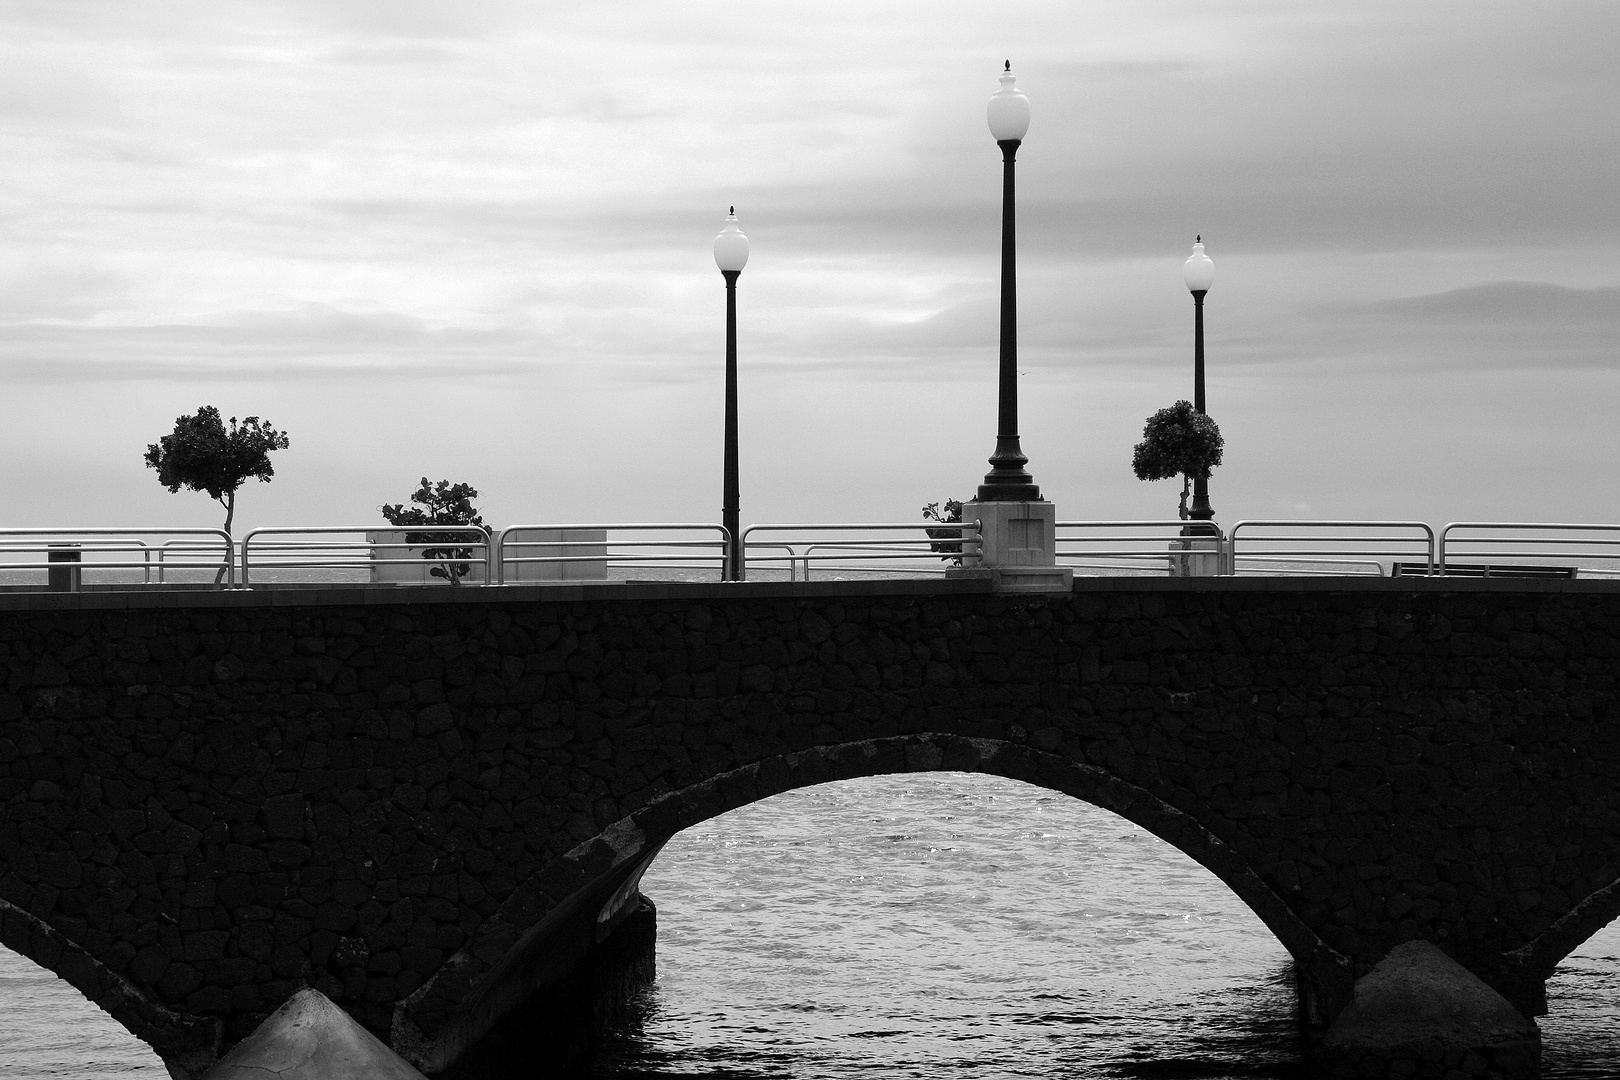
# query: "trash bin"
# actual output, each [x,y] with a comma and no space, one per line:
[60,578]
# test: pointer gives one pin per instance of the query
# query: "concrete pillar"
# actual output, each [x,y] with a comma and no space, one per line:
[1419,1013]
[1198,556]
[309,1038]
[1018,546]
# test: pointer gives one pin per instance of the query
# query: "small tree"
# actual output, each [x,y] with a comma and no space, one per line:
[203,455]
[943,538]
[441,504]
[1178,440]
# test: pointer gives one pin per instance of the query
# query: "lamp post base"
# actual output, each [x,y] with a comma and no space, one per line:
[1198,556]
[1008,480]
[1017,546]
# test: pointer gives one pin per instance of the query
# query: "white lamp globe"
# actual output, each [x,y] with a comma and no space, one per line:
[1008,111]
[1198,272]
[731,246]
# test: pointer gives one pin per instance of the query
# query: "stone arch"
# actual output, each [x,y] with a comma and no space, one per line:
[1532,964]
[187,1044]
[554,915]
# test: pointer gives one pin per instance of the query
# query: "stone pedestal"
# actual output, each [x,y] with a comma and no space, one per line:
[1198,556]
[1017,546]
[309,1038]
[1419,1013]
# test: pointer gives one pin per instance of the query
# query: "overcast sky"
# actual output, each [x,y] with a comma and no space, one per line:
[472,241]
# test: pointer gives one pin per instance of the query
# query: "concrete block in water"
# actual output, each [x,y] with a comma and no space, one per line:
[1420,1013]
[309,1038]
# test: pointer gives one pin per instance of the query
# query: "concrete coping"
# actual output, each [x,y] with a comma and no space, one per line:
[359,595]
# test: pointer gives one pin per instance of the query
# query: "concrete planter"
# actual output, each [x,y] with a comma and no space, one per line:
[583,547]
[417,570]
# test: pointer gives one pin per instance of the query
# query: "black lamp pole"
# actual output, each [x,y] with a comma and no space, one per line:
[1201,510]
[731,255]
[729,509]
[1008,480]
[1199,274]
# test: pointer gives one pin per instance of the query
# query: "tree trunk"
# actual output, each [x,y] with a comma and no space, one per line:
[230,548]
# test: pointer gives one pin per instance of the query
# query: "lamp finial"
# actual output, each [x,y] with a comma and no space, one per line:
[1007,65]
[1199,239]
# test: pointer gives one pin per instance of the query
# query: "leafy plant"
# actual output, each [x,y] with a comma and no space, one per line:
[441,504]
[1178,440]
[944,537]
[203,455]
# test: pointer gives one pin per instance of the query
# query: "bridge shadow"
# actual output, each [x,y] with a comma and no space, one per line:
[949,920]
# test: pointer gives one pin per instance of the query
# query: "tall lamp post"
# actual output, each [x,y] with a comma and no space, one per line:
[1199,274]
[731,255]
[1007,480]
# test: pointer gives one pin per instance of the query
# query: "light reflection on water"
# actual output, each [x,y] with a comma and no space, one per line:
[922,926]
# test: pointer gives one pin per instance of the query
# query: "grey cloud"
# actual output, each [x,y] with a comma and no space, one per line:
[1529,302]
[1509,325]
[256,344]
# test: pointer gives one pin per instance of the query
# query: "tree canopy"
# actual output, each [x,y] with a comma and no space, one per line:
[204,455]
[444,504]
[1178,441]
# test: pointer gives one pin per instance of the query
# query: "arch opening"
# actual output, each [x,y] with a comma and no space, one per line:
[542,919]
[897,920]
[1578,1033]
[49,1023]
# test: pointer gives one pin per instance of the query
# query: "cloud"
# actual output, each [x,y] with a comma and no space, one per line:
[256,345]
[1535,305]
[1502,326]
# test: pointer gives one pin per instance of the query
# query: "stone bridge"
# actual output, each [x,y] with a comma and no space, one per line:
[435,804]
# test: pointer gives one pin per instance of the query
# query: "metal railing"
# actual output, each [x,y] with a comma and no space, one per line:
[1138,546]
[1325,547]
[101,558]
[118,556]
[1562,549]
[526,553]
[386,554]
[897,547]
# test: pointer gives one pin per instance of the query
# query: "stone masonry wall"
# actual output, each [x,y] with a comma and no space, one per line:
[209,800]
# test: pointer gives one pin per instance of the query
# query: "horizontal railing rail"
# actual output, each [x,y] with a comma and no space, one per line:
[1285,565]
[465,553]
[1515,548]
[850,555]
[1129,546]
[117,555]
[582,552]
[1288,542]
[886,546]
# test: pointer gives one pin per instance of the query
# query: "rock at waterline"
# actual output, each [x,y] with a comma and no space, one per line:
[309,1038]
[1421,1008]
